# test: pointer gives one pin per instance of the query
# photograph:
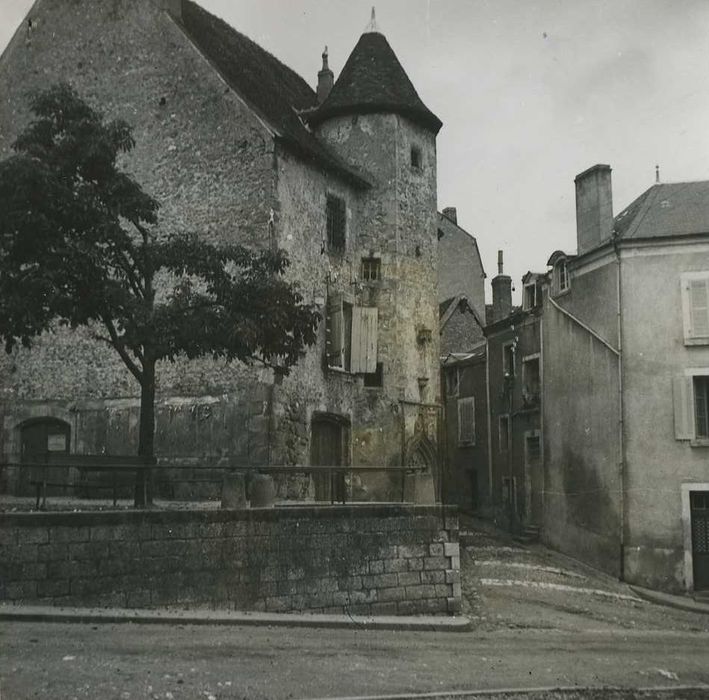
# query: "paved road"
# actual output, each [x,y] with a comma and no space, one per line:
[131,661]
[540,620]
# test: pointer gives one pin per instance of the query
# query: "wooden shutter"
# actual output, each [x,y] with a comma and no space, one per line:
[335,331]
[682,396]
[364,339]
[466,421]
[695,307]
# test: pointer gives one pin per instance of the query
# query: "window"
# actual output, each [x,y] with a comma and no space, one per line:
[508,360]
[531,384]
[452,382]
[533,447]
[371,269]
[416,157]
[504,433]
[561,277]
[701,407]
[351,335]
[374,380]
[466,421]
[336,212]
[531,297]
[695,307]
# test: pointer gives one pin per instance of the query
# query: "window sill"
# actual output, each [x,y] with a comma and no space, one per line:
[696,341]
[699,442]
[561,293]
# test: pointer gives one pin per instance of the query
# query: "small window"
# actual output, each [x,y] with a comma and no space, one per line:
[561,277]
[504,433]
[533,447]
[374,380]
[531,384]
[531,296]
[371,269]
[452,382]
[336,223]
[508,360]
[466,421]
[416,157]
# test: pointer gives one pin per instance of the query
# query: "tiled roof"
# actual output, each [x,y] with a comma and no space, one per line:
[373,80]
[272,89]
[677,209]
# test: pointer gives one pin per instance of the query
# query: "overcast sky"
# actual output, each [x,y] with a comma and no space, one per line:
[530,92]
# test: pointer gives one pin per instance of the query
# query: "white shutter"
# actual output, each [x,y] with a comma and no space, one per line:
[695,307]
[364,339]
[682,396]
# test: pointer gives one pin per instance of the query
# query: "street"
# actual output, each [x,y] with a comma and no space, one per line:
[540,620]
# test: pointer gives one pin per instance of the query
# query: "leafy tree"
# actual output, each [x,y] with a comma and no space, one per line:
[79,246]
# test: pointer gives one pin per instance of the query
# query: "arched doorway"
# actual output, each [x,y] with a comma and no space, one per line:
[39,436]
[329,447]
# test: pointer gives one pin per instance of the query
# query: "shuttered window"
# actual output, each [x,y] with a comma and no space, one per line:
[466,421]
[336,214]
[690,394]
[351,335]
[695,307]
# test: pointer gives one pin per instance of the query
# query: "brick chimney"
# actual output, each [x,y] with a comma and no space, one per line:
[501,292]
[326,79]
[451,213]
[594,207]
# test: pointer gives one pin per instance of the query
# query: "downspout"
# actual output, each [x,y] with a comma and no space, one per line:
[621,419]
[489,426]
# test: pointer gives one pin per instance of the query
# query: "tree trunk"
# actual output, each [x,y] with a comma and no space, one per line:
[146,438]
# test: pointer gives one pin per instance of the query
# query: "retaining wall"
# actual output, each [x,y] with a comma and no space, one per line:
[383,559]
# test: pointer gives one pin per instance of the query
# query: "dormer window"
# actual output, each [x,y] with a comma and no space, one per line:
[416,157]
[531,296]
[561,276]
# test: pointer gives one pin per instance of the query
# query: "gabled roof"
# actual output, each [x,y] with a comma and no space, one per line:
[373,80]
[269,87]
[447,308]
[676,209]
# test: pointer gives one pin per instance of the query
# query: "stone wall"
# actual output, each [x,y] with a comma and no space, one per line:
[359,559]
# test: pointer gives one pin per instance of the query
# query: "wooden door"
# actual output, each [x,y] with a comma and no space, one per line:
[37,438]
[327,447]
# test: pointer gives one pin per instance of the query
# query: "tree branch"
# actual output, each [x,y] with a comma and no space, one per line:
[115,341]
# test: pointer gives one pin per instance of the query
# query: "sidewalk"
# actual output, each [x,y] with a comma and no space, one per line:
[680,602]
[39,613]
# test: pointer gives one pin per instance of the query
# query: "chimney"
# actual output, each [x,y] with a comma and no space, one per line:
[326,79]
[451,213]
[501,292]
[594,207]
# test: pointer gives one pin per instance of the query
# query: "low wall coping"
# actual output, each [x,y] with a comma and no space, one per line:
[299,512]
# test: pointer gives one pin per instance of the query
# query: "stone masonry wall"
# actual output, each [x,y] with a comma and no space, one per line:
[358,559]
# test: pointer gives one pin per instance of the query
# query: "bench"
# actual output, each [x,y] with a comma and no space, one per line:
[86,464]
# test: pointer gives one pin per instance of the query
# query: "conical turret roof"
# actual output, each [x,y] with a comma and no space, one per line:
[373,80]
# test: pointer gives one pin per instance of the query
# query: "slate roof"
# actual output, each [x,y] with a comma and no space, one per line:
[672,209]
[372,81]
[272,89]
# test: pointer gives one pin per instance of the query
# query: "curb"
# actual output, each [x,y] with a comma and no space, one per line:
[20,613]
[671,601]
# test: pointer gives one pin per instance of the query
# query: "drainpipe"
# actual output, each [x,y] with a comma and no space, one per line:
[621,418]
[489,425]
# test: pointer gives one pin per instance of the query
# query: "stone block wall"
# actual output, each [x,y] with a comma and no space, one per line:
[384,560]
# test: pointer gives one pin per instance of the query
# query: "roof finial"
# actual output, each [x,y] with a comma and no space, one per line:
[657,173]
[372,26]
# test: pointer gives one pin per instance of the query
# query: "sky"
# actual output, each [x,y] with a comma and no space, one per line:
[530,92]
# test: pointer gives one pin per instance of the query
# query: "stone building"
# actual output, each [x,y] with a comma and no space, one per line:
[625,366]
[236,146]
[513,338]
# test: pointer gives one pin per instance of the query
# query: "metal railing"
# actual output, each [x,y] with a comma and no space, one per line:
[125,473]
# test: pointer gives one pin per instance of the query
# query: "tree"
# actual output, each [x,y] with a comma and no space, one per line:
[80,246]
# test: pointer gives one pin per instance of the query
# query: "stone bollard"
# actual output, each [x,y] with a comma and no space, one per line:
[233,490]
[263,491]
[418,488]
